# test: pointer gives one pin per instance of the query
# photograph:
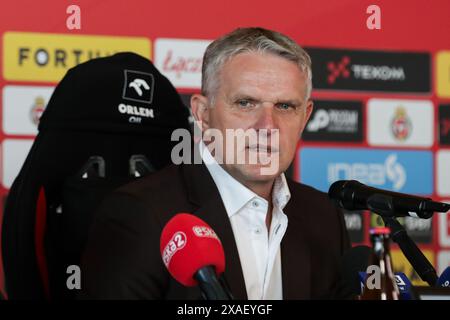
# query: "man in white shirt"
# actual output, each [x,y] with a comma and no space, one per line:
[255,79]
[282,239]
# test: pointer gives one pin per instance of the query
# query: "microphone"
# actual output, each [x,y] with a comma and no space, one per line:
[444,279]
[193,255]
[353,269]
[403,283]
[418,261]
[353,195]
[404,286]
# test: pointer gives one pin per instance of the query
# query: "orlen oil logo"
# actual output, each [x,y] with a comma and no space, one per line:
[46,57]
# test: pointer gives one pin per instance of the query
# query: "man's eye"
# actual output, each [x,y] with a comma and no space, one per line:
[285,106]
[244,103]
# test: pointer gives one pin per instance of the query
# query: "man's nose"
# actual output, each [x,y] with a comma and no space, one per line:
[266,117]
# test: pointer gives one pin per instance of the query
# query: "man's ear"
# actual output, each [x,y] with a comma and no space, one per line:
[308,111]
[200,111]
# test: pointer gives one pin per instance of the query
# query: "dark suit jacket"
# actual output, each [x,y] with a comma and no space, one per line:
[123,261]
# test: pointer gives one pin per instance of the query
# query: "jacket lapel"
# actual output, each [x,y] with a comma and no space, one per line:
[203,193]
[295,254]
[295,251]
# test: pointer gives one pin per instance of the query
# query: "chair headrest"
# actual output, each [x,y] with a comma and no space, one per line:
[121,93]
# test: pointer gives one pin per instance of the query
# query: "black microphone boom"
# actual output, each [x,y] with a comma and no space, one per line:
[353,195]
[210,285]
[416,258]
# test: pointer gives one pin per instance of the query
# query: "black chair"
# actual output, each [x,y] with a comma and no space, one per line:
[108,121]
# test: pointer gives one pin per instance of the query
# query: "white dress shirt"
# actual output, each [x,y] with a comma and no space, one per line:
[259,248]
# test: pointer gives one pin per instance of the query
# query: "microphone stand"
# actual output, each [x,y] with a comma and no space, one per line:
[419,262]
[210,286]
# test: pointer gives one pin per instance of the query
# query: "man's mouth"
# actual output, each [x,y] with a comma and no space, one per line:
[262,148]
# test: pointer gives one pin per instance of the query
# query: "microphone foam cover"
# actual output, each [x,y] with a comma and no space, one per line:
[188,244]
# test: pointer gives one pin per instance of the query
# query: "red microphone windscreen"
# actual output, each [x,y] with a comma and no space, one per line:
[188,244]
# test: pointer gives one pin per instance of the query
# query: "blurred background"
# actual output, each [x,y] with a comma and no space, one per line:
[381,78]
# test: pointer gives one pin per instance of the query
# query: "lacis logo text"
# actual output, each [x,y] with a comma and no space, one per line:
[47,57]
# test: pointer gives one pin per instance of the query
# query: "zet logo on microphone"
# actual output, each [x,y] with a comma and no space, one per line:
[395,170]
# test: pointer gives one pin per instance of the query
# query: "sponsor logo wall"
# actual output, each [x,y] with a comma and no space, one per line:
[380,117]
[383,118]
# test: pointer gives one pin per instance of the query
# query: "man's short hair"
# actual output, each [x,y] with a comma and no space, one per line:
[244,40]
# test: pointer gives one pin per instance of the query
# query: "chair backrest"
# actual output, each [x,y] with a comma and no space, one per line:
[108,121]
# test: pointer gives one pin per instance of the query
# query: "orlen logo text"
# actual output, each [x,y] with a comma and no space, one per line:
[46,57]
[401,171]
[180,60]
[177,242]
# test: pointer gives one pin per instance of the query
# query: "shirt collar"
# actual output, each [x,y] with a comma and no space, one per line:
[233,193]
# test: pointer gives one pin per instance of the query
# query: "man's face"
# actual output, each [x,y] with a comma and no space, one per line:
[260,91]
